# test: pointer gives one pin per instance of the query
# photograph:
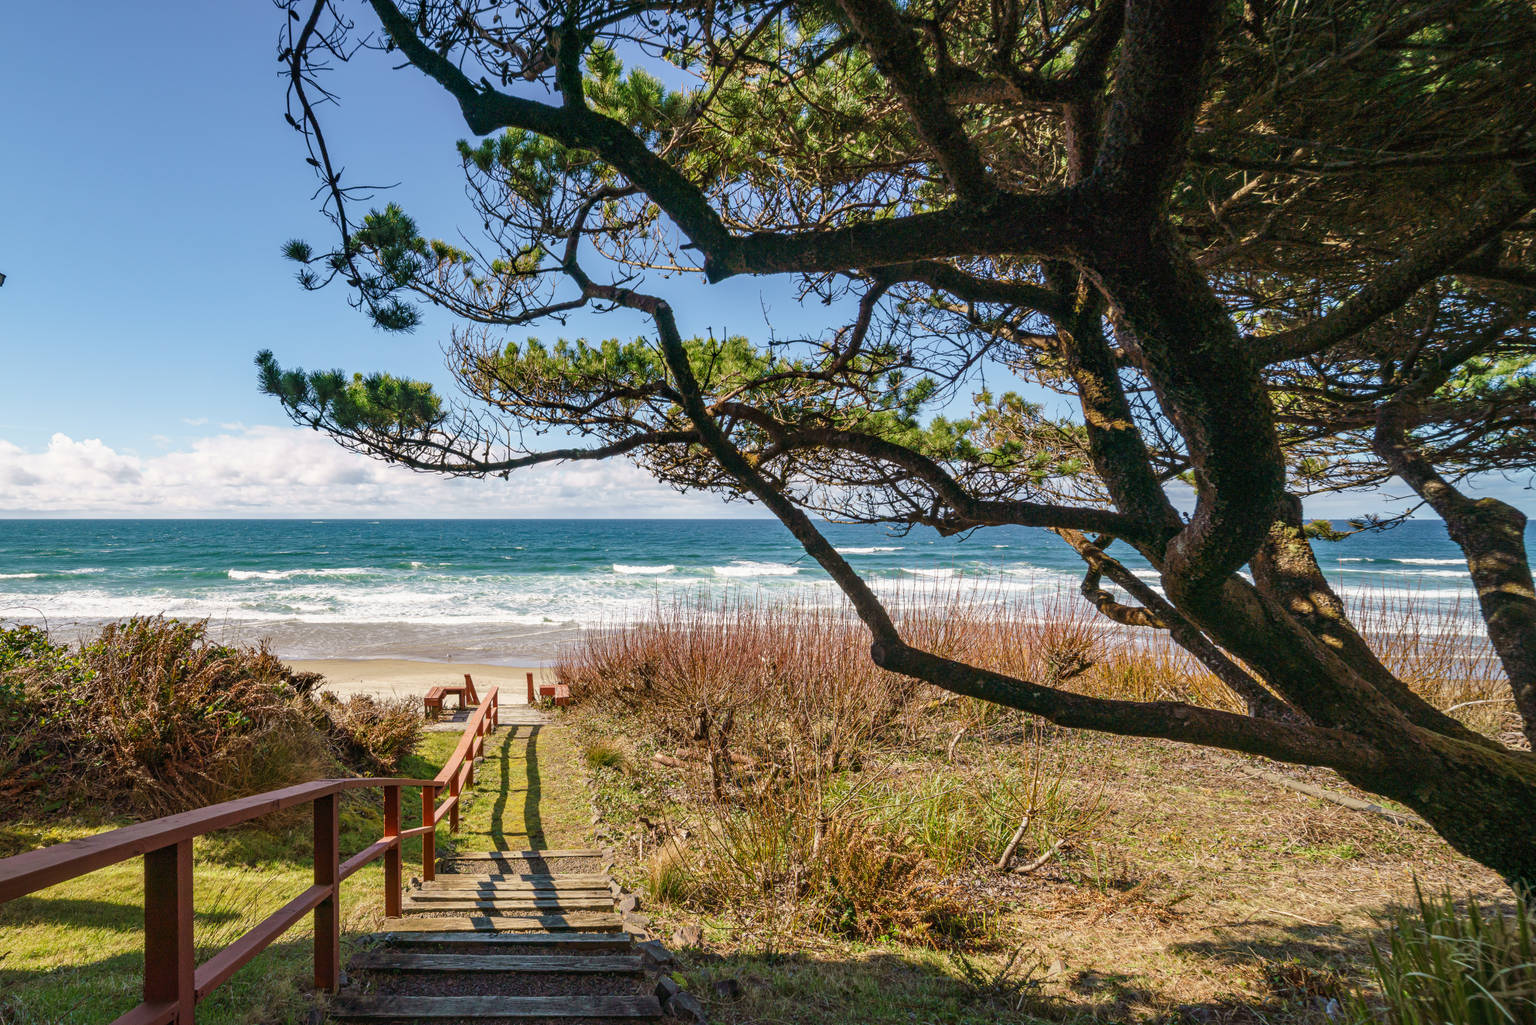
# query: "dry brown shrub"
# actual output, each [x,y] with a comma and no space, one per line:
[369,734]
[150,717]
[785,672]
[780,852]
[1430,649]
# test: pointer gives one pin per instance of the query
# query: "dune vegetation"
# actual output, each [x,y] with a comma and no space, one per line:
[150,717]
[857,846]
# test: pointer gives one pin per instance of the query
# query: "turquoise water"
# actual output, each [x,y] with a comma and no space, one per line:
[510,590]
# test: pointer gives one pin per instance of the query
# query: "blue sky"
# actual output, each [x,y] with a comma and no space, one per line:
[148,182]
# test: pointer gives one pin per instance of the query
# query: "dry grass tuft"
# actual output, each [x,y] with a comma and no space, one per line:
[602,753]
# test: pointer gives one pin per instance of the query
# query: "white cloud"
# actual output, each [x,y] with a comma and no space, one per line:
[282,471]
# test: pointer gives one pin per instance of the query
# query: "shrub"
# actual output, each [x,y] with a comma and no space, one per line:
[669,879]
[1470,966]
[151,717]
[816,789]
[370,735]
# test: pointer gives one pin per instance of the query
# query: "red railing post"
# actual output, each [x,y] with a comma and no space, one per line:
[169,959]
[476,751]
[429,838]
[531,700]
[392,856]
[453,810]
[328,911]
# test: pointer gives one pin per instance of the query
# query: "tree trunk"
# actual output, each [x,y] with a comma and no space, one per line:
[1478,799]
[1285,569]
[1491,534]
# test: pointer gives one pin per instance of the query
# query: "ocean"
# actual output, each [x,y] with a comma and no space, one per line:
[512,591]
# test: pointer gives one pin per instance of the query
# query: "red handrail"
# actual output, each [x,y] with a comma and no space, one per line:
[173,980]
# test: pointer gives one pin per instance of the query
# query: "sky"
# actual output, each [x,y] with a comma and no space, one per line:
[147,184]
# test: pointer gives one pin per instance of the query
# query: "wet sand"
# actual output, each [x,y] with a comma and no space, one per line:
[402,678]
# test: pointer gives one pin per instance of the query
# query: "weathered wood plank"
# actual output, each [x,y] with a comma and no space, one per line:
[507,893]
[551,906]
[578,921]
[515,896]
[586,941]
[499,887]
[512,885]
[523,855]
[447,879]
[487,893]
[403,1007]
[410,961]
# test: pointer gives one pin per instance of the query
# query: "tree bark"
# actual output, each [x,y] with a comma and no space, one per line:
[1491,534]
[1156,612]
[1285,569]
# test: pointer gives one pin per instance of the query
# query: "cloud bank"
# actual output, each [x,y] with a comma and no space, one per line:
[281,471]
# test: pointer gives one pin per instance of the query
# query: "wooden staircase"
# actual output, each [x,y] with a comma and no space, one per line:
[504,936]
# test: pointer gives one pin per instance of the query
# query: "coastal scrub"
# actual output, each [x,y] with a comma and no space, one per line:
[150,717]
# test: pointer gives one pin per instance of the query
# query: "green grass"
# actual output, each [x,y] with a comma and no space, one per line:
[74,952]
[601,753]
[1449,961]
[529,792]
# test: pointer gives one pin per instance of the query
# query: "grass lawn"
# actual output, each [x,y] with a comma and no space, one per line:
[74,952]
[529,792]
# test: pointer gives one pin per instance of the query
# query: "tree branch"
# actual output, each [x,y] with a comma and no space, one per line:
[1503,204]
[894,47]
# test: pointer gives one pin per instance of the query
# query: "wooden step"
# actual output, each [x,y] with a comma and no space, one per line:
[523,855]
[407,961]
[551,906]
[509,893]
[576,921]
[536,880]
[564,941]
[410,1008]
[587,900]
[499,893]
[563,884]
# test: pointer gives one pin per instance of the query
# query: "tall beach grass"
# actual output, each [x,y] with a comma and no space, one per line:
[792,783]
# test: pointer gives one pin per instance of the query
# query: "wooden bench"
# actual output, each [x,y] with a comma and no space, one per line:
[433,702]
[559,693]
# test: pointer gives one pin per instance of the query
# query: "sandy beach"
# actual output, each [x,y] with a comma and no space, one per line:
[401,678]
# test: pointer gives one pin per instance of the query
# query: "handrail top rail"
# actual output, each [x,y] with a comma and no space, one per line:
[30,871]
[467,738]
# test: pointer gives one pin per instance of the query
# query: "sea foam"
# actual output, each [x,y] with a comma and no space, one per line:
[288,574]
[747,568]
